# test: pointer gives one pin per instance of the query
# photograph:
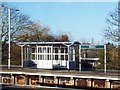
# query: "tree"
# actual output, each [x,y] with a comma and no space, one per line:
[15,55]
[113,62]
[18,23]
[112,32]
[112,58]
[0,36]
[62,38]
[39,33]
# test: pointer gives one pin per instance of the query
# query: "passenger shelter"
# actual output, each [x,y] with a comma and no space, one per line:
[48,55]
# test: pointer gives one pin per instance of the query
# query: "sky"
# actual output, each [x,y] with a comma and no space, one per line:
[81,20]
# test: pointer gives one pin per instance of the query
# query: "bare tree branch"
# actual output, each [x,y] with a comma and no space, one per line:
[112,32]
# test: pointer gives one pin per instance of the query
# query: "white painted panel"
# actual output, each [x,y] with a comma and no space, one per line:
[61,62]
[64,63]
[45,64]
[55,62]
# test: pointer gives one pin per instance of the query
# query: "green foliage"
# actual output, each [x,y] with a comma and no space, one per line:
[101,59]
[112,60]
[15,55]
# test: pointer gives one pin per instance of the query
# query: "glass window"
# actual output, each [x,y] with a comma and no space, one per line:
[45,57]
[66,57]
[48,50]
[44,49]
[33,56]
[62,50]
[28,54]
[56,50]
[71,57]
[25,53]
[33,50]
[40,57]
[56,57]
[48,58]
[53,57]
[40,50]
[62,57]
[53,50]
[66,50]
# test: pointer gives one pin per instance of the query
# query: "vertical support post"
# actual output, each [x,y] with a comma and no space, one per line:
[68,57]
[24,50]
[89,81]
[59,56]
[27,52]
[118,23]
[37,55]
[0,41]
[107,83]
[71,81]
[52,55]
[29,83]
[119,35]
[40,79]
[28,55]
[80,58]
[12,79]
[56,81]
[9,38]
[35,52]
[104,59]
[31,53]
[92,83]
[22,56]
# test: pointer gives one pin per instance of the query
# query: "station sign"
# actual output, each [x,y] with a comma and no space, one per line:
[92,46]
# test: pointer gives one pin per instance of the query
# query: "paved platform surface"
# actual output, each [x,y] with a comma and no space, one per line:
[113,73]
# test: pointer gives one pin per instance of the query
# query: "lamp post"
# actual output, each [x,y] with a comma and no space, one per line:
[105,59]
[0,37]
[9,41]
[9,35]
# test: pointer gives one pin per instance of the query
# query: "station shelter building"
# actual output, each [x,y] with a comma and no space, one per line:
[48,55]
